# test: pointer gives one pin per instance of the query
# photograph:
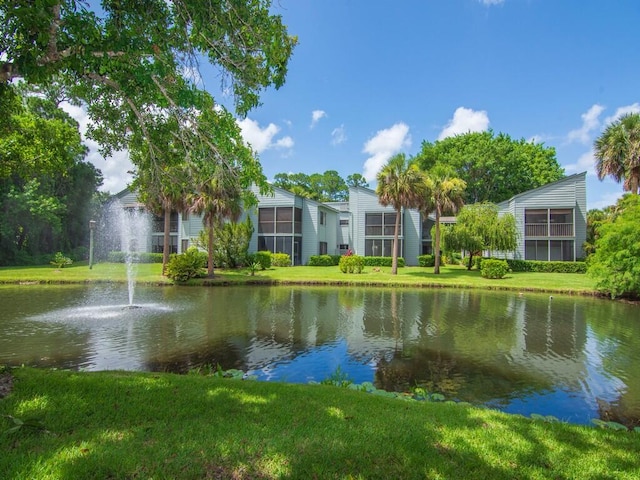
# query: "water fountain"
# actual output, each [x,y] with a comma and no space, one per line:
[132,226]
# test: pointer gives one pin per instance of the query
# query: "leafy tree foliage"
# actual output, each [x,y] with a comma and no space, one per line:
[401,184]
[617,152]
[615,263]
[231,249]
[46,188]
[357,180]
[494,167]
[322,187]
[478,227]
[126,59]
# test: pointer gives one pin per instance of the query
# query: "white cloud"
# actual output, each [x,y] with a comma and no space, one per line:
[316,115]
[338,135]
[114,168]
[586,163]
[590,122]
[488,3]
[606,200]
[382,146]
[262,139]
[465,120]
[633,108]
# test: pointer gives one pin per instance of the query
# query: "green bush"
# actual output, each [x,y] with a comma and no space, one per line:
[59,260]
[453,258]
[351,264]
[187,265]
[322,261]
[382,261]
[492,268]
[428,260]
[546,267]
[263,258]
[280,260]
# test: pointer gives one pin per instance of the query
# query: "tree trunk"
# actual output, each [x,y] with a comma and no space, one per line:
[470,260]
[436,268]
[394,258]
[165,240]
[210,248]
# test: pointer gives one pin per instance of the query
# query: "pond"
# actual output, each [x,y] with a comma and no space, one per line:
[573,358]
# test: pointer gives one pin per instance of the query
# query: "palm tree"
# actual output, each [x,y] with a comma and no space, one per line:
[617,152]
[218,197]
[401,184]
[445,194]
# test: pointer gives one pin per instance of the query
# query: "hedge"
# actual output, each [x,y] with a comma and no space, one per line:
[382,261]
[428,260]
[539,266]
[263,258]
[324,260]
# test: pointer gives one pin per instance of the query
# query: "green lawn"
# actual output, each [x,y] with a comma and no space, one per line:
[143,425]
[450,276]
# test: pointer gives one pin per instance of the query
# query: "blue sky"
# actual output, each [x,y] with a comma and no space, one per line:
[371,78]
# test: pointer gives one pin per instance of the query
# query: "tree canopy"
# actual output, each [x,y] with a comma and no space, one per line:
[617,152]
[494,167]
[130,60]
[478,227]
[615,263]
[323,187]
[46,187]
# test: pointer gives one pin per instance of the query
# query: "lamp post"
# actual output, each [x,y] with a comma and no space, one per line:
[92,227]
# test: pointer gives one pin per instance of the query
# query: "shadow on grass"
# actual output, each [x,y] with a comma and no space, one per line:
[167,426]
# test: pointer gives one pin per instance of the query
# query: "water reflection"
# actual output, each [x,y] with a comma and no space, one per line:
[569,357]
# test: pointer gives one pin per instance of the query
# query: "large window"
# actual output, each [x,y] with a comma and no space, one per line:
[284,220]
[554,222]
[553,250]
[382,226]
[157,244]
[280,230]
[381,223]
[380,247]
[158,223]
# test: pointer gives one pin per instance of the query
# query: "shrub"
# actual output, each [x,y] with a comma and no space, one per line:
[428,260]
[453,258]
[60,261]
[492,268]
[546,267]
[263,258]
[322,261]
[280,260]
[382,261]
[187,265]
[351,264]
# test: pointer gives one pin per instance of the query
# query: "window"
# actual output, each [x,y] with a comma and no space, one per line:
[553,250]
[343,246]
[297,220]
[373,224]
[380,247]
[344,221]
[322,248]
[284,220]
[323,218]
[266,217]
[556,222]
[185,244]
[390,223]
[157,244]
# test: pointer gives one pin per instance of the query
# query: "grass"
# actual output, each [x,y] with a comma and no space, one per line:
[451,276]
[144,425]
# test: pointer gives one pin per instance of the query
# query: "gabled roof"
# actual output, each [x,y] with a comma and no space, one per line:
[570,178]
